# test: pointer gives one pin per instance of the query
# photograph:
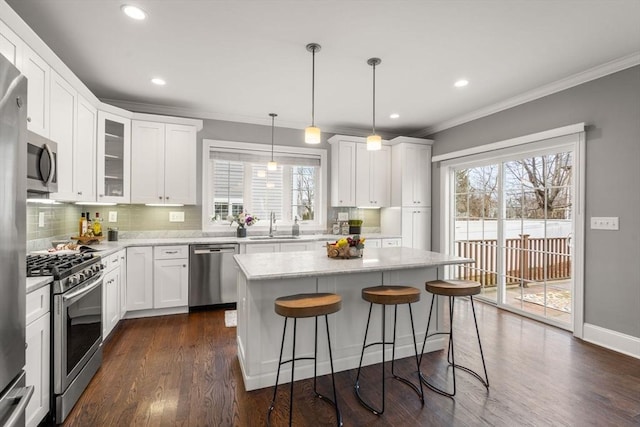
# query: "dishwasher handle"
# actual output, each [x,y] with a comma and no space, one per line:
[204,251]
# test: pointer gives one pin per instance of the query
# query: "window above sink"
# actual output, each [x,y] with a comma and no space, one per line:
[236,179]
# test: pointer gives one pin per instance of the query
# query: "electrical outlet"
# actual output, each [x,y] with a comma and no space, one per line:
[40,219]
[176,216]
[113,216]
[604,223]
[343,216]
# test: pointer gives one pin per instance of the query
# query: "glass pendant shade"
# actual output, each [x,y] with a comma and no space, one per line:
[312,135]
[374,143]
[272,166]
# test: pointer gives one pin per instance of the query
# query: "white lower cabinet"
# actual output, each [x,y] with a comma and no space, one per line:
[170,283]
[157,278]
[110,302]
[37,354]
[139,278]
[111,288]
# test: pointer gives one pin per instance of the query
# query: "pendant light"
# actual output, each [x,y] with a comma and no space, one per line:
[272,165]
[374,142]
[312,133]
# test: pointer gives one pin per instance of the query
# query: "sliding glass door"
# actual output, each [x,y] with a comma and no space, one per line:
[513,214]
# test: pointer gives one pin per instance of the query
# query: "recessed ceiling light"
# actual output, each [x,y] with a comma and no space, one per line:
[134,12]
[394,116]
[461,83]
[158,81]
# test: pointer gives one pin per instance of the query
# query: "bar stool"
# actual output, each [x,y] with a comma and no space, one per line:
[300,306]
[389,295]
[452,289]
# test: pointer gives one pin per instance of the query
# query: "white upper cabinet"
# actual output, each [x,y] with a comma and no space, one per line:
[38,73]
[180,164]
[10,45]
[62,131]
[343,172]
[85,151]
[147,162]
[113,161]
[163,163]
[411,177]
[372,177]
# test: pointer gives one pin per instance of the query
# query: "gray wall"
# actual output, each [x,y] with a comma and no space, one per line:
[610,106]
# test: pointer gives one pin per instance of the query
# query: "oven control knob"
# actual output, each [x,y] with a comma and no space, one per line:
[82,277]
[73,280]
[96,268]
[88,272]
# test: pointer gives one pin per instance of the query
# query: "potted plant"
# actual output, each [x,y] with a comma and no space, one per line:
[355,226]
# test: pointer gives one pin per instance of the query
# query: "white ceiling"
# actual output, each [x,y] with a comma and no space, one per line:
[239,60]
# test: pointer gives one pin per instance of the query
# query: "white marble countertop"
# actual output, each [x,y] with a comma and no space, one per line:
[288,265]
[106,248]
[35,283]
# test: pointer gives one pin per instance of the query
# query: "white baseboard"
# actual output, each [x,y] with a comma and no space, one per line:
[625,344]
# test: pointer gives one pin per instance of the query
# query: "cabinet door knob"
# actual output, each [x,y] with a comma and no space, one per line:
[167,197]
[29,119]
[101,195]
[160,197]
[184,265]
[79,193]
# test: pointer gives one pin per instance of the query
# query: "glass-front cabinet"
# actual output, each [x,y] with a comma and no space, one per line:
[114,143]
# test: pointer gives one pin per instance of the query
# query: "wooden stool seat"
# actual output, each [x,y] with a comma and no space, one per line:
[391,295]
[308,305]
[453,288]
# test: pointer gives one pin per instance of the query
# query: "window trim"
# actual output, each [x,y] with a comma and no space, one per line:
[209,145]
[574,139]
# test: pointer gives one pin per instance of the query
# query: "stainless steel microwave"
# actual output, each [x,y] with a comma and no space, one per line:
[42,173]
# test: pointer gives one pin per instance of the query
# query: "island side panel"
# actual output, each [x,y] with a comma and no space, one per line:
[260,330]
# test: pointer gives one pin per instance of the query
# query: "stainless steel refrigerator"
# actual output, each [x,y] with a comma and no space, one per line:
[13,151]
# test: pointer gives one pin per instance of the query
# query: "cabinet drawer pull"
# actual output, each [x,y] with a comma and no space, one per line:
[170,252]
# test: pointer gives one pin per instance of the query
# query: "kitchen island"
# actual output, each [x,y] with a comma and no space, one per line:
[263,277]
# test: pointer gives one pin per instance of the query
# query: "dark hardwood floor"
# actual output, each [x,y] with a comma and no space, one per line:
[182,370]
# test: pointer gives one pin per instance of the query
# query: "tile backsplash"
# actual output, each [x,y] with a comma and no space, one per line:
[59,221]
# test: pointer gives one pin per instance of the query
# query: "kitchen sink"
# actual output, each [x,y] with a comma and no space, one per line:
[274,238]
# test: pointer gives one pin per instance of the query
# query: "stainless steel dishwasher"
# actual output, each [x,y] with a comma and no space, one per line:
[212,274]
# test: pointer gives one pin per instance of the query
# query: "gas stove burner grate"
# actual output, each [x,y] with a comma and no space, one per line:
[55,265]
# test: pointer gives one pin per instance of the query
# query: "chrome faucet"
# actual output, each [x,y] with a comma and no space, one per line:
[272,221]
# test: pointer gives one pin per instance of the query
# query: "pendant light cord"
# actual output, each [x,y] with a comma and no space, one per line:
[374,98]
[313,87]
[273,116]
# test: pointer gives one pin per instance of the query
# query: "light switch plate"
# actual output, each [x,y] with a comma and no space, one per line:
[176,216]
[113,216]
[343,216]
[604,223]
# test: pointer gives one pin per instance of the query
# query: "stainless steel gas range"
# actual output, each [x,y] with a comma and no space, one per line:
[76,324]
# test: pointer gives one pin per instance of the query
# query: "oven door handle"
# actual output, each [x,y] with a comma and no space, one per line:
[95,282]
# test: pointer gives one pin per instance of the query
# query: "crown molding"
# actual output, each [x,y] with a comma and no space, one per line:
[548,89]
[141,107]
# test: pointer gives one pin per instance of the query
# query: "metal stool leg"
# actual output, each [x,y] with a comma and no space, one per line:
[415,388]
[275,388]
[293,368]
[364,346]
[484,366]
[451,351]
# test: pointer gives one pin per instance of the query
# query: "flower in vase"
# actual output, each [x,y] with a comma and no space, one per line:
[243,219]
